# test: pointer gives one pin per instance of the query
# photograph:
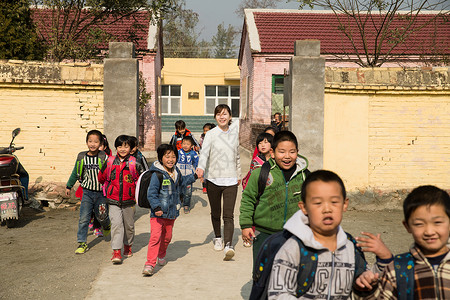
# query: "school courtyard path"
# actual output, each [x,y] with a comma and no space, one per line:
[194,270]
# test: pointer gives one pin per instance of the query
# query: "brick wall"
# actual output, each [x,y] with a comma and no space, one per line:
[55,105]
[387,130]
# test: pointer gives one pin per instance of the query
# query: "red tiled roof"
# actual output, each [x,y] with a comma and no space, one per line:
[279,30]
[130,29]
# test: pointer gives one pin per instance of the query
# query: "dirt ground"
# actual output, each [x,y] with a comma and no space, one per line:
[38,259]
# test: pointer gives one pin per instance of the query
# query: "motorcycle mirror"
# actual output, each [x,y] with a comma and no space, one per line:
[15,132]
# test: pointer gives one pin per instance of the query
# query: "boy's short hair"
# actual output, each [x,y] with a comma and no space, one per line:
[94,132]
[123,139]
[264,136]
[270,128]
[163,149]
[425,195]
[325,176]
[209,125]
[180,124]
[133,140]
[189,138]
[283,136]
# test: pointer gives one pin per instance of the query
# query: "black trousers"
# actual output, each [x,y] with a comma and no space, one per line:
[229,193]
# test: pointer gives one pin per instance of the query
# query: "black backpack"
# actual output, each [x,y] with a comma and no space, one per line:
[305,276]
[142,187]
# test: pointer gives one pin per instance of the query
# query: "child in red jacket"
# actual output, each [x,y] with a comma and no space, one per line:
[120,175]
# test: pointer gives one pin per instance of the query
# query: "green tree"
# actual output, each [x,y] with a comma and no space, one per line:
[74,25]
[179,31]
[392,22]
[18,38]
[223,42]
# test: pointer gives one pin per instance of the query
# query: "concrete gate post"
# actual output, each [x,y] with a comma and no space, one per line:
[306,85]
[120,91]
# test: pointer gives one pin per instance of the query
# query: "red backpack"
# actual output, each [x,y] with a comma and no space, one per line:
[131,165]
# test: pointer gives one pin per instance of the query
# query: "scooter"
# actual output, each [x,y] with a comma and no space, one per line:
[12,192]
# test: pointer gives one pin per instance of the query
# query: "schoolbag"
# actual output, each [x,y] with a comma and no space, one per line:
[131,167]
[142,187]
[404,274]
[307,269]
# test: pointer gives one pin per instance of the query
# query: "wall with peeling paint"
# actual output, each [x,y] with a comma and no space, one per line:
[55,105]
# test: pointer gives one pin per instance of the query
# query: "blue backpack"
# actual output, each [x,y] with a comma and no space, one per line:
[404,274]
[307,268]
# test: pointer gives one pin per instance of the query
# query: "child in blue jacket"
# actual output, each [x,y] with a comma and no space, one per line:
[164,197]
[187,163]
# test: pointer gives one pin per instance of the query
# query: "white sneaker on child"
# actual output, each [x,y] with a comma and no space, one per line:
[218,244]
[229,252]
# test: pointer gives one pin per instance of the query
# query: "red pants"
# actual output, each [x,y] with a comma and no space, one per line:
[160,237]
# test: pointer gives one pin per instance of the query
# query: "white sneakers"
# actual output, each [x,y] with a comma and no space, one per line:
[218,244]
[229,252]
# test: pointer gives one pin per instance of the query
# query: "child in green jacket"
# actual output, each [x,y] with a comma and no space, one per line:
[280,198]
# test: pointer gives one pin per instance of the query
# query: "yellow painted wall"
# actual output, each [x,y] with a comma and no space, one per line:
[346,142]
[388,140]
[193,74]
[54,116]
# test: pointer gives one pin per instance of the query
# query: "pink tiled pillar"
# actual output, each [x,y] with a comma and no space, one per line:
[151,132]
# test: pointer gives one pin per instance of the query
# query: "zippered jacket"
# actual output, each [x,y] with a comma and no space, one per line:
[165,196]
[429,283]
[121,187]
[278,202]
[187,162]
[334,274]
[78,171]
[178,138]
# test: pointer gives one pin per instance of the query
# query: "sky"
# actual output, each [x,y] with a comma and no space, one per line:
[214,12]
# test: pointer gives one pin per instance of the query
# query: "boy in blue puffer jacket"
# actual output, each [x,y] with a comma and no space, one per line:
[187,163]
[164,197]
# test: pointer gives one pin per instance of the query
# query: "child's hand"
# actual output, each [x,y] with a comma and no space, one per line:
[199,174]
[373,243]
[68,192]
[248,234]
[366,281]
[159,213]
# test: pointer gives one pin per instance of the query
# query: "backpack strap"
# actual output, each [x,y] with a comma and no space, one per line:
[404,275]
[109,163]
[262,180]
[132,168]
[360,259]
[160,177]
[306,269]
[101,159]
[80,165]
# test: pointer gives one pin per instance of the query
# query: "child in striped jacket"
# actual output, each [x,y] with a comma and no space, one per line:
[86,169]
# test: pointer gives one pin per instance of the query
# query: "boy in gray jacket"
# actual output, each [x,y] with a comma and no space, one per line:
[317,225]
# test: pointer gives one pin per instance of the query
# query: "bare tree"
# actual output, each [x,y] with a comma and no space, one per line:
[72,28]
[378,29]
[255,4]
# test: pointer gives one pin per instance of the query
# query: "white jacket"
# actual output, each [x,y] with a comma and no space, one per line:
[334,273]
[219,157]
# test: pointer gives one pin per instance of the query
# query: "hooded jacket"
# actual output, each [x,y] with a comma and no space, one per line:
[334,273]
[166,198]
[278,202]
